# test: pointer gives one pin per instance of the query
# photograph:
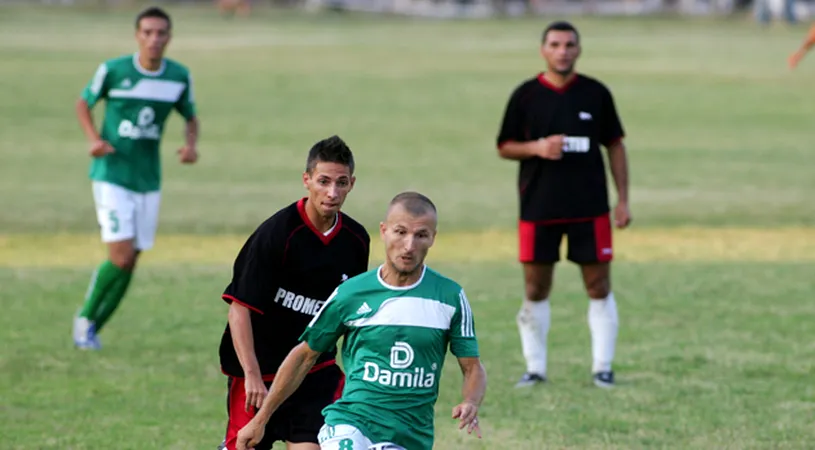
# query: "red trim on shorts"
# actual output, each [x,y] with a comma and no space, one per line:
[301,208]
[230,299]
[602,238]
[236,398]
[526,241]
[238,416]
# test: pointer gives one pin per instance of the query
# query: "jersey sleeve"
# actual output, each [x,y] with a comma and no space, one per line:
[98,87]
[255,272]
[612,129]
[328,325]
[512,123]
[463,343]
[186,103]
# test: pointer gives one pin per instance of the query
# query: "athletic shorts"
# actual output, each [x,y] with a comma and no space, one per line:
[124,215]
[589,240]
[298,419]
[347,437]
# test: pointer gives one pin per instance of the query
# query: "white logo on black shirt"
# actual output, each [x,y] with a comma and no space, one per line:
[297,302]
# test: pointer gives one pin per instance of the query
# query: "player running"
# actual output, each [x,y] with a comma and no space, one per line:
[554,125]
[282,278]
[140,92]
[397,322]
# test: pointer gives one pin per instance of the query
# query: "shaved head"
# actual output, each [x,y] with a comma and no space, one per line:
[413,203]
[408,231]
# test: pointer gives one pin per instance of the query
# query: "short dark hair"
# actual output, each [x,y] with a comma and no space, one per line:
[153,12]
[560,25]
[332,149]
[415,203]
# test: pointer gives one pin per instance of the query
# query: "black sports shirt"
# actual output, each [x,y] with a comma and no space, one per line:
[283,274]
[573,187]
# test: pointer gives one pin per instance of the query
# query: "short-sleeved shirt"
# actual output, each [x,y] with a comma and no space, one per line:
[394,347]
[284,274]
[574,187]
[137,105]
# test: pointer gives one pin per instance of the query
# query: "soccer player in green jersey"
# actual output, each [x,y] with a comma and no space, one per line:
[140,92]
[397,322]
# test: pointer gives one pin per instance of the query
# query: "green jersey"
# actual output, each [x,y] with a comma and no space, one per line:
[137,104]
[395,343]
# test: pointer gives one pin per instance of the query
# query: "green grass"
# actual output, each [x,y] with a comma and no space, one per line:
[713,282]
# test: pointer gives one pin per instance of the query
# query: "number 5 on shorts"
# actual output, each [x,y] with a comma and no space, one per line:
[114,222]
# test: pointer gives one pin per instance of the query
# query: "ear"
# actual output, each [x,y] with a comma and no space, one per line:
[382,228]
[542,50]
[306,178]
[353,180]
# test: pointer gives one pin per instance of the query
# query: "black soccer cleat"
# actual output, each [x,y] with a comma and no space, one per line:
[530,379]
[604,379]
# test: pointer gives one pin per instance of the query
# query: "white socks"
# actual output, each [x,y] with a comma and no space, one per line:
[533,324]
[603,324]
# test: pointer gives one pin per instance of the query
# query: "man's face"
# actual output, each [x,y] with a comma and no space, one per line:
[328,184]
[407,238]
[560,50]
[153,35]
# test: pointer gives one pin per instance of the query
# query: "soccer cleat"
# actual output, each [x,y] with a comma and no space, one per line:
[85,334]
[604,379]
[530,379]
[93,338]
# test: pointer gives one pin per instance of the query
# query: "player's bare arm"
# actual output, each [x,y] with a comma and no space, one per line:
[289,376]
[618,162]
[240,323]
[189,152]
[799,54]
[547,148]
[98,147]
[473,390]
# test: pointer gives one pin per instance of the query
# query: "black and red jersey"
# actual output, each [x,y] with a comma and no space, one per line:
[284,273]
[574,187]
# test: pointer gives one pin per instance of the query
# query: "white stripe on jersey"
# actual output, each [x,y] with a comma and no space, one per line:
[410,312]
[167,91]
[99,79]
[467,328]
[317,316]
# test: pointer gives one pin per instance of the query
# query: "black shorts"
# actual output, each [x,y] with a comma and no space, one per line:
[298,419]
[589,240]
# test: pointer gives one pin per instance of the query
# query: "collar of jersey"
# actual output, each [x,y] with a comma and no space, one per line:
[144,71]
[324,237]
[399,288]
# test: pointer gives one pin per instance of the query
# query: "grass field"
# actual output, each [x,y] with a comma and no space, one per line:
[713,282]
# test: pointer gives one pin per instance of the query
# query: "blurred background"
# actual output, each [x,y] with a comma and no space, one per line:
[713,281]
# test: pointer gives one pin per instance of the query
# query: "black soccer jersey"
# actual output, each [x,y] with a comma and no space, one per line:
[283,274]
[573,187]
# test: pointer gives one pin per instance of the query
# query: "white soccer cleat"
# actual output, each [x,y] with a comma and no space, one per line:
[85,334]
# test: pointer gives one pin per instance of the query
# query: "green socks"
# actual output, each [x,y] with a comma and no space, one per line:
[111,301]
[108,285]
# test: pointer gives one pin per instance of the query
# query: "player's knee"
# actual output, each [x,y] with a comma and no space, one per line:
[123,257]
[598,287]
[537,291]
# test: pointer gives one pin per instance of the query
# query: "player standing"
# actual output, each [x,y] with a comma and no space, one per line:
[282,278]
[140,92]
[397,322]
[554,125]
